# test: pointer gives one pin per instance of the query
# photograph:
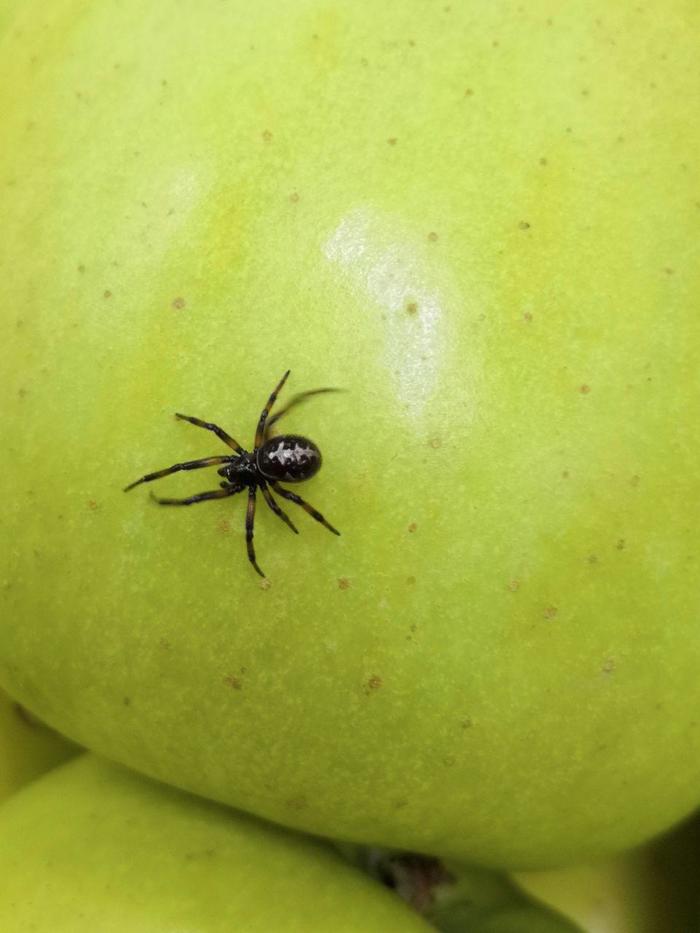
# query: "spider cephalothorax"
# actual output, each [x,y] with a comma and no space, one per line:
[286,457]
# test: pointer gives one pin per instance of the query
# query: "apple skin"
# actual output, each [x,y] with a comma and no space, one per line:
[482,222]
[28,748]
[455,898]
[8,11]
[652,889]
[93,847]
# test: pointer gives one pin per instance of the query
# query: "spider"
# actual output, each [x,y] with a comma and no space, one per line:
[288,457]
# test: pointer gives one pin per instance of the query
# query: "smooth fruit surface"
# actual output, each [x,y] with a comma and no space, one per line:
[652,889]
[27,747]
[482,221]
[92,848]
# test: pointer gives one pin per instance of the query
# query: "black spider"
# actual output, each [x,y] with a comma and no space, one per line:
[287,457]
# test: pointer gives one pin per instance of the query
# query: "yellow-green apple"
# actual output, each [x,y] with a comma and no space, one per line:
[482,221]
[455,897]
[652,889]
[93,847]
[8,8]
[27,747]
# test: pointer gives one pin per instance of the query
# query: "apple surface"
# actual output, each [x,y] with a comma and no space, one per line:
[481,221]
[8,10]
[458,898]
[27,747]
[93,848]
[652,889]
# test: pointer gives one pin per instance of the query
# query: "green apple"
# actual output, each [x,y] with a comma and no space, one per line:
[652,889]
[482,902]
[482,221]
[8,10]
[458,898]
[27,747]
[92,847]
[620,895]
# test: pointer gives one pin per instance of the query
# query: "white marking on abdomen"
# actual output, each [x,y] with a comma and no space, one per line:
[285,455]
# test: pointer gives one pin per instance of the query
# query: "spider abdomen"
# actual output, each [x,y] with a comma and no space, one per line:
[289,457]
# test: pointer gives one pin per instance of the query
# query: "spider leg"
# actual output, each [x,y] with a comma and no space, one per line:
[249,522]
[199,497]
[220,433]
[276,509]
[266,410]
[293,497]
[299,397]
[188,465]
